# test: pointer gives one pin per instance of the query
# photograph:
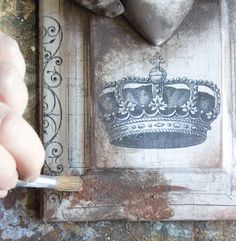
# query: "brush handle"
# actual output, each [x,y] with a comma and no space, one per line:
[48,182]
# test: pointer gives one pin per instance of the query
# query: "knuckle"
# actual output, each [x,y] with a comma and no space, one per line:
[12,91]
[8,73]
[8,120]
[10,45]
[10,52]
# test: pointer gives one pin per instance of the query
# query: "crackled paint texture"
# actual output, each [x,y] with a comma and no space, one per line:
[19,212]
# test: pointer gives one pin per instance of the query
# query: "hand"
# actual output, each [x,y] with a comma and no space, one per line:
[21,151]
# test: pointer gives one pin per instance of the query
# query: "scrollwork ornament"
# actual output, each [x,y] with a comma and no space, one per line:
[54,198]
[52,110]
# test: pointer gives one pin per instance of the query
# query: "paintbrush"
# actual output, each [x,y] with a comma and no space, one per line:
[60,183]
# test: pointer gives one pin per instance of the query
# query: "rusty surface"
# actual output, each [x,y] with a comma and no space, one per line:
[115,194]
[125,194]
[19,212]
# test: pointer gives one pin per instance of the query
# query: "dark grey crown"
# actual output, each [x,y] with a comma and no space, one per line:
[156,112]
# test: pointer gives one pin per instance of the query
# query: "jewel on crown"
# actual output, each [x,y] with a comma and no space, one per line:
[156,112]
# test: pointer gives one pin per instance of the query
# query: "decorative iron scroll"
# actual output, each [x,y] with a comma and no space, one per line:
[52,39]
[52,110]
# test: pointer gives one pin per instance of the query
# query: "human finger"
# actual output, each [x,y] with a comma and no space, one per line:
[13,90]
[8,173]
[19,138]
[10,52]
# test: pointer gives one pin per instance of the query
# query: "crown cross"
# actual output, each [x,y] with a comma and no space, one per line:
[157,60]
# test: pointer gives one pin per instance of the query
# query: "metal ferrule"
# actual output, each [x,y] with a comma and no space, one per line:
[48,182]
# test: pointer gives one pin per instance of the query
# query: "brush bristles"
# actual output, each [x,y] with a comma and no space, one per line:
[69,183]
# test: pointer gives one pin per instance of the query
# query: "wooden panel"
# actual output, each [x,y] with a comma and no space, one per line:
[86,51]
[64,65]
[193,56]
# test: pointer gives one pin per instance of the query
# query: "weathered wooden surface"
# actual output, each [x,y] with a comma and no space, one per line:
[146,195]
[63,70]
[118,52]
[19,211]
[204,174]
[116,194]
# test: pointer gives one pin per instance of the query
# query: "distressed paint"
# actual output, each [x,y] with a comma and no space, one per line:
[129,55]
[117,51]
[116,194]
[19,211]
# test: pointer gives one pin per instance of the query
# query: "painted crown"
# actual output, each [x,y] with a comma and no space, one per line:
[157,112]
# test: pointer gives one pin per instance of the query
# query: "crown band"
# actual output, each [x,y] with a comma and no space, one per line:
[135,133]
